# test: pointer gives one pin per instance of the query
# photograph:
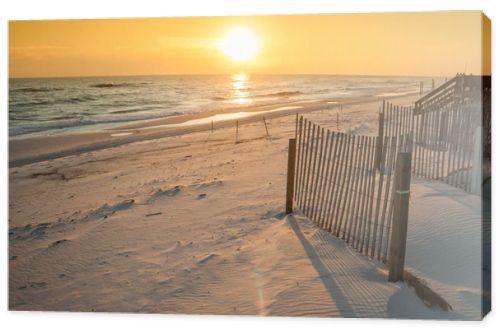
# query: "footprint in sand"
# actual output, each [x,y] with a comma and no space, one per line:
[164,193]
[106,210]
[58,242]
[28,232]
[207,258]
[215,183]
[36,285]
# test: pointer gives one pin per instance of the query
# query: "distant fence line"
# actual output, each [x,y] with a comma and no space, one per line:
[344,187]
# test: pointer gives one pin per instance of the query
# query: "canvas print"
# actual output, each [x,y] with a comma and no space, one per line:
[329,165]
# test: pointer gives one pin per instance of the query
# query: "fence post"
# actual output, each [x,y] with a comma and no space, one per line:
[337,120]
[267,132]
[296,124]
[236,131]
[380,138]
[400,217]
[290,175]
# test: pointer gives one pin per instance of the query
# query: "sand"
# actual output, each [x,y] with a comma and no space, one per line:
[184,220]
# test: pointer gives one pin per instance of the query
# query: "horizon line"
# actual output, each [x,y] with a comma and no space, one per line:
[229,74]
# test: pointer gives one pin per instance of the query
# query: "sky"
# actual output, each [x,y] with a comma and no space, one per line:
[422,44]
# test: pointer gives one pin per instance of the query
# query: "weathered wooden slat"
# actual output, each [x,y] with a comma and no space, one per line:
[335,142]
[290,175]
[300,139]
[308,166]
[312,173]
[399,115]
[377,201]
[346,185]
[454,163]
[427,144]
[319,174]
[306,151]
[368,207]
[436,144]
[383,221]
[463,147]
[360,191]
[340,195]
[450,143]
[353,185]
[325,177]
[470,148]
[421,145]
[380,136]
[337,177]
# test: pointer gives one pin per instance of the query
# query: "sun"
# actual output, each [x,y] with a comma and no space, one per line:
[239,44]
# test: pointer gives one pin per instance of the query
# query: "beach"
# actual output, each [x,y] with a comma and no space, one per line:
[176,215]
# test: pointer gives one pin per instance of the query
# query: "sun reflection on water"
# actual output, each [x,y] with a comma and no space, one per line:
[240,88]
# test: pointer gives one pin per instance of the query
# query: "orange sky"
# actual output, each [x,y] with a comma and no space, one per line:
[434,44]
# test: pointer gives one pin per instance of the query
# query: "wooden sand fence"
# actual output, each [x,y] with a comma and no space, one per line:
[446,129]
[346,184]
[448,133]
[393,121]
[357,187]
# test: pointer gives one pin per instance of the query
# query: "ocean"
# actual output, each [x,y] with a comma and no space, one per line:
[42,106]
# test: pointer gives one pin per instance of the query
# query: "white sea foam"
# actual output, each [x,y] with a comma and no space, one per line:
[222,117]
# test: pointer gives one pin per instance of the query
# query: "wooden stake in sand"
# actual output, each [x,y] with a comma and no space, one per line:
[400,217]
[296,124]
[212,129]
[267,132]
[337,120]
[236,131]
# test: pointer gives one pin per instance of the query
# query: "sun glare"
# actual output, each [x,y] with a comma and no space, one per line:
[239,44]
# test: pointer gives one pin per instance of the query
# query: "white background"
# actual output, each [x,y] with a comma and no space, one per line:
[52,322]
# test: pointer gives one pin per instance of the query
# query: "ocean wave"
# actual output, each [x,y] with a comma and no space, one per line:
[118,85]
[68,100]
[66,117]
[131,110]
[282,94]
[276,94]
[35,89]
[29,103]
[77,99]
